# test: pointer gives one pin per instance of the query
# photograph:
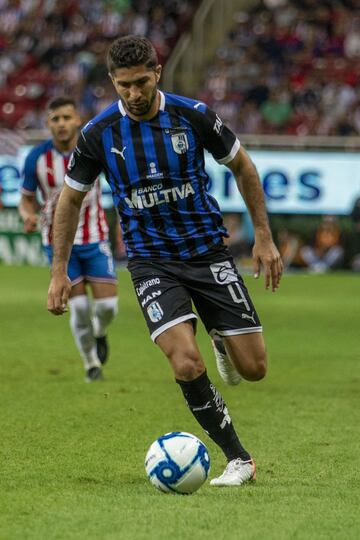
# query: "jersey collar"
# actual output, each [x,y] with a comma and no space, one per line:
[161,107]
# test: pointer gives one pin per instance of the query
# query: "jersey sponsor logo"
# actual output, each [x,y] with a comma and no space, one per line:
[146,284]
[223,272]
[156,195]
[119,152]
[154,172]
[148,189]
[180,142]
[155,312]
[218,126]
[150,297]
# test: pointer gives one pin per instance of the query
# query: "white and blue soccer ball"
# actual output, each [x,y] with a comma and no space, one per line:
[177,462]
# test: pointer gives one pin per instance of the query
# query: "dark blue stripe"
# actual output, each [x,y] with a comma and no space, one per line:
[203,211]
[116,186]
[151,157]
[174,168]
[133,174]
[130,163]
[108,143]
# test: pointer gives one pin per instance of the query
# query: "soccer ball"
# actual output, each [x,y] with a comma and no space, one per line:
[177,462]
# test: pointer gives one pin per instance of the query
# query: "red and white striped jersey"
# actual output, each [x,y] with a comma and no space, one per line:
[45,169]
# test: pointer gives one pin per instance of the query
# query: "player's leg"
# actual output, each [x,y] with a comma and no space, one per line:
[241,356]
[105,309]
[80,316]
[166,305]
[248,355]
[225,307]
[204,400]
[98,267]
[81,328]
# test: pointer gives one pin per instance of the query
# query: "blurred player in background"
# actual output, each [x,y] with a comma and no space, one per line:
[327,252]
[91,260]
[151,145]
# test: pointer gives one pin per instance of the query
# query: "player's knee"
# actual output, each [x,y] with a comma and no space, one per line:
[106,308]
[256,367]
[187,365]
[79,311]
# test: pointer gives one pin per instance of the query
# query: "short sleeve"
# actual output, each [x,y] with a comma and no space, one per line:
[30,181]
[216,137]
[84,166]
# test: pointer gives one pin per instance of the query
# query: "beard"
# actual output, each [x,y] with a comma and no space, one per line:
[144,106]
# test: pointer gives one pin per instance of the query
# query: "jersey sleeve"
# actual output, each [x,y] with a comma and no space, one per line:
[216,137]
[84,166]
[30,181]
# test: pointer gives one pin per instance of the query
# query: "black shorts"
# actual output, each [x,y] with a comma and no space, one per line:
[166,290]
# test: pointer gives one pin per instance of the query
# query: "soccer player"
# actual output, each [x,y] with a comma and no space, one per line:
[151,146]
[91,260]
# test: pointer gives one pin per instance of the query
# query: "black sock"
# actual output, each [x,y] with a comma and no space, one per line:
[210,411]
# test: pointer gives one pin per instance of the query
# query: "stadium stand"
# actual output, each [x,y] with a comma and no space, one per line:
[51,47]
[286,75]
[290,67]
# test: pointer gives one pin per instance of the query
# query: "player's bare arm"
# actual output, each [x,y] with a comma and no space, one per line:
[265,252]
[65,225]
[28,210]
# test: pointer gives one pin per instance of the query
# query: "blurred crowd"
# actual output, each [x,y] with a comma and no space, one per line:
[52,47]
[286,67]
[290,67]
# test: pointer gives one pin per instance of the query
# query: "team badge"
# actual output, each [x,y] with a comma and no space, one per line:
[180,142]
[155,312]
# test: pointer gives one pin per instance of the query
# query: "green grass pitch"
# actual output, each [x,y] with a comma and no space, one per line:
[72,453]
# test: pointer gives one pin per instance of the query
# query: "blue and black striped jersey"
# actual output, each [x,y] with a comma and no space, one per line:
[156,172]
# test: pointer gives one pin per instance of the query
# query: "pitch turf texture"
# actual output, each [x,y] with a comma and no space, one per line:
[72,453]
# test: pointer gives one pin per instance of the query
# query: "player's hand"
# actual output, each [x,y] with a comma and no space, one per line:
[31,223]
[266,255]
[58,294]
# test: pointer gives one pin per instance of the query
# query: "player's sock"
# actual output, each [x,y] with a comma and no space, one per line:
[104,311]
[209,409]
[81,327]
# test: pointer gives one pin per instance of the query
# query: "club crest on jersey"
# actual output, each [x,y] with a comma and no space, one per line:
[155,312]
[180,142]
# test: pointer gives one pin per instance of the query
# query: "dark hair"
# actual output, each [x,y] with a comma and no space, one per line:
[129,51]
[60,102]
